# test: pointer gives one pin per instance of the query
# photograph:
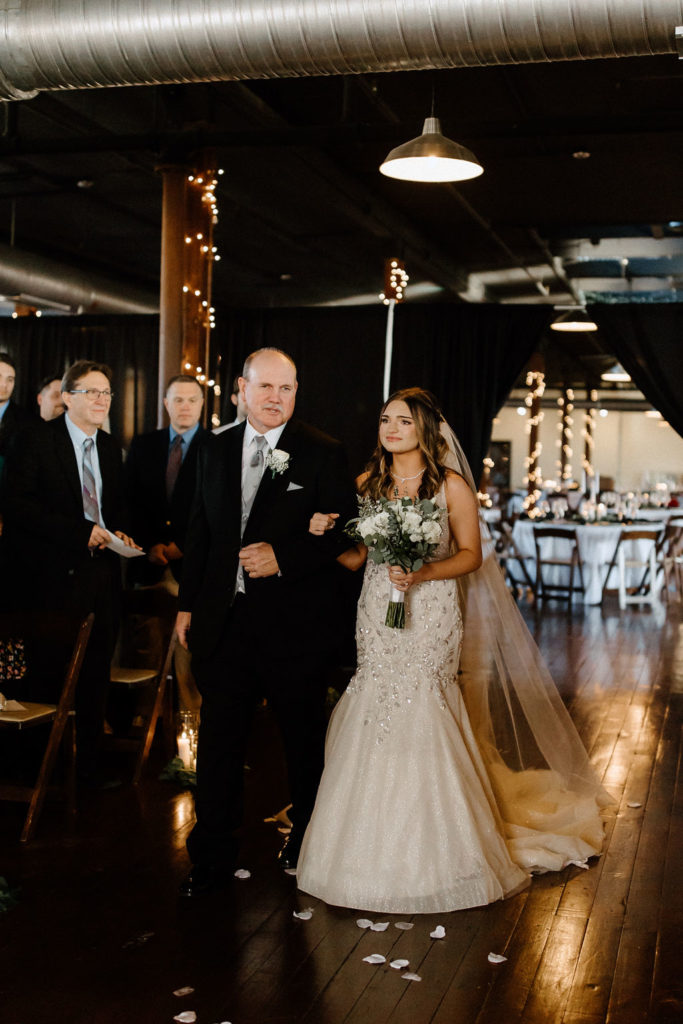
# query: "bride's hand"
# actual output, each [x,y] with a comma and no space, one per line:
[321,522]
[401,579]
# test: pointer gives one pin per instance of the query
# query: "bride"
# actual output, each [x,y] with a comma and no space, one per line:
[452,770]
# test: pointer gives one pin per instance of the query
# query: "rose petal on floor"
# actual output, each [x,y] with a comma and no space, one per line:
[398,964]
[379,926]
[186,991]
[290,871]
[405,926]
[303,915]
[409,976]
[374,958]
[633,803]
[438,933]
[363,922]
[242,873]
[186,1017]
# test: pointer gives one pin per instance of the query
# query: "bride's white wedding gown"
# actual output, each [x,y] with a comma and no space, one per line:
[406,820]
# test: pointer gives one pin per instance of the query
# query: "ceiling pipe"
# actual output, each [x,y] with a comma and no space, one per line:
[77,45]
[36,280]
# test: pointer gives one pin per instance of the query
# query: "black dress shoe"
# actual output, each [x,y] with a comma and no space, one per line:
[289,854]
[203,878]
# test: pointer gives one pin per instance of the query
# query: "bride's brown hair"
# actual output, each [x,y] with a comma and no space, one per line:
[427,418]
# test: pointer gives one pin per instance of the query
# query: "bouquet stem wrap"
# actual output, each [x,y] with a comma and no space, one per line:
[396,612]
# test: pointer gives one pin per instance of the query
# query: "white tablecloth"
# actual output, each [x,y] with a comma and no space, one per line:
[597,545]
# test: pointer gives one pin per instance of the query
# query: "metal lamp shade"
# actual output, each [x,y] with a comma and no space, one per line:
[431,157]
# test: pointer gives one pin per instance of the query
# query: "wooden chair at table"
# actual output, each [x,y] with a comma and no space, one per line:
[646,591]
[37,629]
[148,603]
[572,562]
[508,557]
[670,558]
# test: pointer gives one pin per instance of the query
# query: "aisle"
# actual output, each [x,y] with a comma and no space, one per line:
[99,936]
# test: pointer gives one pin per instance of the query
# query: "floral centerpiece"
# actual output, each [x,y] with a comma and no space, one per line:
[398,531]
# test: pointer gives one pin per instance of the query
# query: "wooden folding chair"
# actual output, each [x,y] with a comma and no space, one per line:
[511,557]
[572,562]
[646,591]
[62,716]
[144,604]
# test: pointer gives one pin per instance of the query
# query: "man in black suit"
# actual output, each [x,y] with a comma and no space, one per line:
[160,473]
[258,605]
[12,416]
[64,497]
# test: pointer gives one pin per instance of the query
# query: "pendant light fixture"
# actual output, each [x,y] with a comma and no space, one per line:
[616,373]
[574,319]
[431,157]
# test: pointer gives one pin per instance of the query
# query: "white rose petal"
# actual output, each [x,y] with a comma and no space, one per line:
[633,803]
[409,976]
[290,871]
[438,933]
[186,1017]
[303,915]
[363,922]
[374,958]
[186,991]
[496,958]
[242,873]
[398,964]
[404,926]
[380,926]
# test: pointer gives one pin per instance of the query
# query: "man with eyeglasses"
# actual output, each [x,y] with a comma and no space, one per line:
[65,497]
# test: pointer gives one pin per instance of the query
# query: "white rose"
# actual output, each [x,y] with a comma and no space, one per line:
[431,532]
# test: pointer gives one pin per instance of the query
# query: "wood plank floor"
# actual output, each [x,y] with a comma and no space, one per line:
[100,937]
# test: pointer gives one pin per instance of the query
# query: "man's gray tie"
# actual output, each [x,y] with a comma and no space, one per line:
[91,508]
[252,476]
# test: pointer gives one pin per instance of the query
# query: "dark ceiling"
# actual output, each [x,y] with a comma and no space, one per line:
[581,196]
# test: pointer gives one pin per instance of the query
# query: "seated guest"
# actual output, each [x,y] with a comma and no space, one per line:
[160,474]
[49,397]
[64,499]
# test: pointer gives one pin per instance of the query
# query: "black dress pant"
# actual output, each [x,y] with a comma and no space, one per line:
[241,672]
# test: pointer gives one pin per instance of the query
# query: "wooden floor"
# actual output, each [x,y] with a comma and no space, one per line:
[100,937]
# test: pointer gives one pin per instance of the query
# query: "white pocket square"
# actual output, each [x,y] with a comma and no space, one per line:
[294,487]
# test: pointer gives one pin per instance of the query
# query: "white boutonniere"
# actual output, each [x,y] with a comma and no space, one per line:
[277,461]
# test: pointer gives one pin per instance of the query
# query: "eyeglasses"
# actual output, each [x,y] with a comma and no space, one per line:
[92,393]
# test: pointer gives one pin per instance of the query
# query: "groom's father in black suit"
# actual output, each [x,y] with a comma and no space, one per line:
[257,603]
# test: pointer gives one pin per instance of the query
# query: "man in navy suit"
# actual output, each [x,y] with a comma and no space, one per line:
[64,498]
[159,498]
[161,471]
[258,604]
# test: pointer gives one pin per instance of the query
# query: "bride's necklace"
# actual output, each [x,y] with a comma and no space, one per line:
[404,479]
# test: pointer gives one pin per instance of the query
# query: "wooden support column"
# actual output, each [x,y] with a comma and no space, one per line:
[535,380]
[187,257]
[172,280]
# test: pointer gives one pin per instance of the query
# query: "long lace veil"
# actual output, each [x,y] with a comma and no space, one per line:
[523,729]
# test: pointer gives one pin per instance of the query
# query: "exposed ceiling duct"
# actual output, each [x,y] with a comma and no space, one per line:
[79,45]
[35,280]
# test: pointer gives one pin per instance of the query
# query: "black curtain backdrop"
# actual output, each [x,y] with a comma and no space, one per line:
[648,342]
[469,357]
[128,344]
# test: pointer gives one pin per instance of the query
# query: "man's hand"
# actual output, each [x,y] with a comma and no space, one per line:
[162,554]
[182,627]
[99,538]
[258,560]
[128,541]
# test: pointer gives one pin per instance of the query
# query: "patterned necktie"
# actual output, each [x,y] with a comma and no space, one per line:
[91,508]
[175,461]
[252,477]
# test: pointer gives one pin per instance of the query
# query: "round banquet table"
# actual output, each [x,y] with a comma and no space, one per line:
[597,544]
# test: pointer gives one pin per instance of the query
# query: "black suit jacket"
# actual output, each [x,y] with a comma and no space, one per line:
[45,535]
[298,607]
[14,419]
[155,519]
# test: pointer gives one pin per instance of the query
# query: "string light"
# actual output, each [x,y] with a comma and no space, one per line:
[395,282]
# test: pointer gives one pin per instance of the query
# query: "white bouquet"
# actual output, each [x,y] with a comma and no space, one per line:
[399,531]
